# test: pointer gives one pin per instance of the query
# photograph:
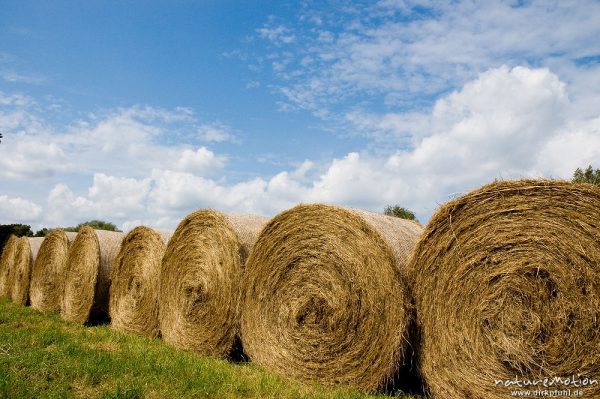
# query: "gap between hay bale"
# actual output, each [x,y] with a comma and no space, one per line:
[325,295]
[200,280]
[48,274]
[87,276]
[135,277]
[21,275]
[6,265]
[506,281]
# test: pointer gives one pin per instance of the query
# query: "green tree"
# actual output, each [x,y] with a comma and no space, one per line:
[43,232]
[95,224]
[587,176]
[20,230]
[399,212]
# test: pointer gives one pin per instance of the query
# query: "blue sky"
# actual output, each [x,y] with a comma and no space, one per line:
[140,112]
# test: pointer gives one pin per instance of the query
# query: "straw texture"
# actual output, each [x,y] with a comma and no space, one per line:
[200,280]
[325,295]
[6,265]
[135,277]
[506,281]
[20,279]
[48,274]
[87,277]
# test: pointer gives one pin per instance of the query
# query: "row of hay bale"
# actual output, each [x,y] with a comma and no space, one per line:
[503,284]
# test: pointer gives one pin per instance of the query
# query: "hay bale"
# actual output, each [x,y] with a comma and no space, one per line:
[6,265]
[506,281]
[27,250]
[48,274]
[325,295]
[135,277]
[87,277]
[200,280]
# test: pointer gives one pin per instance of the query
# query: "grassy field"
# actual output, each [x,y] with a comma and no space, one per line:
[41,356]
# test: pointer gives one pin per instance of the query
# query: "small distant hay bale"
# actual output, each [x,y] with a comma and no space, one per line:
[506,281]
[48,274]
[325,295]
[6,265]
[200,280]
[20,279]
[135,277]
[87,277]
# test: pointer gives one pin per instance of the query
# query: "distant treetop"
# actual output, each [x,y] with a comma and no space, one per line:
[587,176]
[95,224]
[399,212]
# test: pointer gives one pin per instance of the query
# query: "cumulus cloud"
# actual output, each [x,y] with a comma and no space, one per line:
[506,123]
[18,210]
[127,141]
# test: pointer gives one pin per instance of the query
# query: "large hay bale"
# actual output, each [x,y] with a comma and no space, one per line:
[6,265]
[200,280]
[506,281]
[87,277]
[20,279]
[135,277]
[48,274]
[325,295]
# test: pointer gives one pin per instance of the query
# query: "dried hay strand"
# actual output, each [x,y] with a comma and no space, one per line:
[200,280]
[6,265]
[48,274]
[325,295]
[27,250]
[135,277]
[506,281]
[87,277]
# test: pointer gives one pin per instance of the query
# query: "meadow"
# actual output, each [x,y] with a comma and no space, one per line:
[43,356]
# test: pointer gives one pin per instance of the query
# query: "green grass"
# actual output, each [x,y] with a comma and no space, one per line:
[42,356]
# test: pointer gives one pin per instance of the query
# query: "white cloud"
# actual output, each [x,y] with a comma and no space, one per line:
[199,162]
[18,210]
[109,198]
[23,157]
[127,142]
[216,132]
[506,123]
[404,53]
[277,35]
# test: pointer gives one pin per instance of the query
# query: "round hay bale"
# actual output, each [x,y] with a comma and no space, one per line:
[6,265]
[27,250]
[325,295]
[48,274]
[200,280]
[87,277]
[135,277]
[506,282]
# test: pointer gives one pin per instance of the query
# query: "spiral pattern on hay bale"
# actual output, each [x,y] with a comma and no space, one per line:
[87,277]
[27,251]
[49,268]
[506,281]
[200,280]
[135,278]
[325,295]
[6,265]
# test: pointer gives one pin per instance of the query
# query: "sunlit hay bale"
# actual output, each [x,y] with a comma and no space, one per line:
[87,277]
[506,281]
[325,295]
[21,273]
[6,265]
[135,276]
[200,280]
[49,268]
